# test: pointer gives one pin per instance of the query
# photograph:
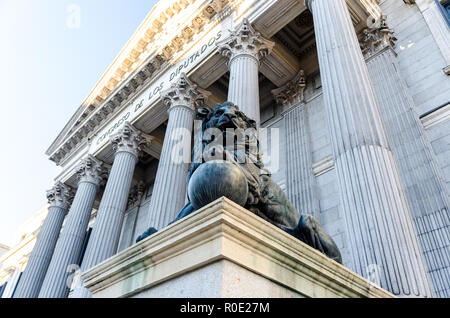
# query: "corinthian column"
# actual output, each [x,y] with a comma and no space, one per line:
[106,231]
[169,191]
[245,48]
[301,187]
[34,273]
[419,172]
[379,225]
[91,175]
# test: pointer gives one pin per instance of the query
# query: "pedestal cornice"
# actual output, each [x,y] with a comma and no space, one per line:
[225,231]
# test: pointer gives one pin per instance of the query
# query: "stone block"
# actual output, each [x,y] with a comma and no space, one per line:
[224,250]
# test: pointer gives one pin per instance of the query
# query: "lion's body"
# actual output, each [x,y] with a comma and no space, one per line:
[265,198]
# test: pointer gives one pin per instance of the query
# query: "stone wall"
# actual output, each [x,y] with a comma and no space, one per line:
[419,57]
[421,63]
[439,136]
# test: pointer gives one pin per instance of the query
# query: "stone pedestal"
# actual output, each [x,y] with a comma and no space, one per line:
[224,250]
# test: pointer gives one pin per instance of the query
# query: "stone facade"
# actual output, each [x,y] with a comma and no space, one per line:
[363,144]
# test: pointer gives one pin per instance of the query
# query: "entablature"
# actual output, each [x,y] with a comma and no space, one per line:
[134,72]
[168,48]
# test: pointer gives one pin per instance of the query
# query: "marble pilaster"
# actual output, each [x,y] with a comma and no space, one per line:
[300,185]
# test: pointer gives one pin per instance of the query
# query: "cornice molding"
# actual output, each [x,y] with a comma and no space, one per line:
[109,107]
[103,101]
[169,27]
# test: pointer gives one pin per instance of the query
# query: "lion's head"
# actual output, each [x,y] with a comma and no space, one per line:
[236,130]
[223,116]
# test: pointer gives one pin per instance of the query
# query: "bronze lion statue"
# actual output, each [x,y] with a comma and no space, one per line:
[227,134]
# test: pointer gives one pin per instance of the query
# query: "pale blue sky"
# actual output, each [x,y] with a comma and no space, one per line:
[46,71]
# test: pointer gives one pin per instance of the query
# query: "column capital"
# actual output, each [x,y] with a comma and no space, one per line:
[136,193]
[244,40]
[129,139]
[184,93]
[377,37]
[60,195]
[91,170]
[291,92]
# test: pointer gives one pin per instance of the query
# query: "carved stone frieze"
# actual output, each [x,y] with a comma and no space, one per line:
[107,98]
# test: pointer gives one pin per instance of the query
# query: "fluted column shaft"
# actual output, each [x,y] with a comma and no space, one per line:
[69,244]
[169,191]
[245,48]
[105,235]
[301,186]
[36,268]
[243,88]
[426,193]
[379,224]
[106,231]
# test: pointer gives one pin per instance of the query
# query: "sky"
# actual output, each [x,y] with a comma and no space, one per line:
[52,53]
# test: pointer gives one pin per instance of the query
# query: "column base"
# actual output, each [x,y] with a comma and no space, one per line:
[224,250]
